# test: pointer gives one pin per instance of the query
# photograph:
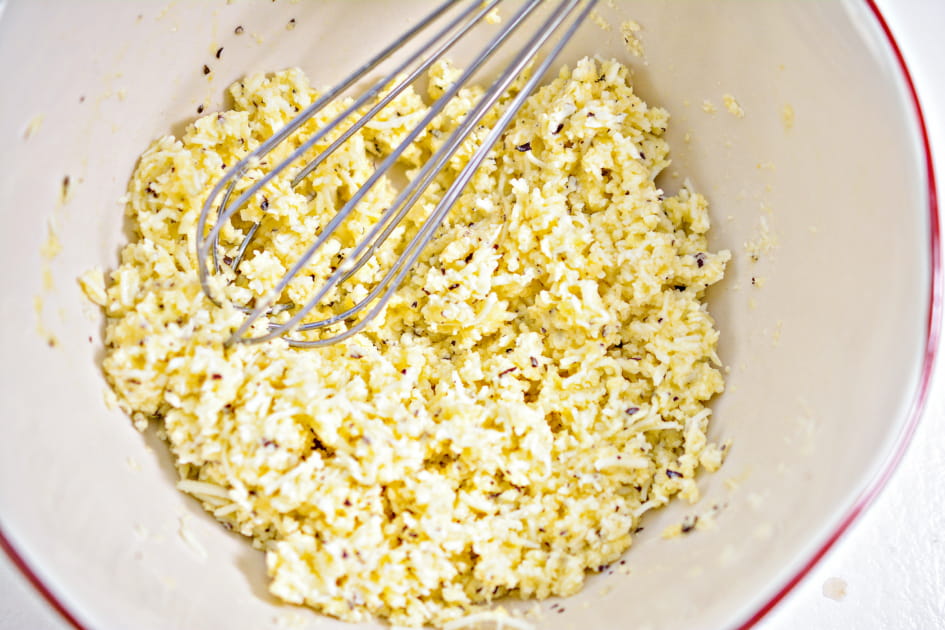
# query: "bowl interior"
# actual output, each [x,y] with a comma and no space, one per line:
[823,334]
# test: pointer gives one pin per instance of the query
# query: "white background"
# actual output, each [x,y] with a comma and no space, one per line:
[888,571]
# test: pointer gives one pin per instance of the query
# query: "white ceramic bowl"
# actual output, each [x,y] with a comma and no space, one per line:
[829,359]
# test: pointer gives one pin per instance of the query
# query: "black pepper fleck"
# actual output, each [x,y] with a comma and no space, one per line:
[238,30]
[672,473]
[206,69]
[219,52]
[524,147]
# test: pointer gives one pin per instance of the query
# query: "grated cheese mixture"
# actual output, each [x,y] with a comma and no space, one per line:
[537,384]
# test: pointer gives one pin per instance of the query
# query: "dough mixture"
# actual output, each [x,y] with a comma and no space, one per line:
[537,384]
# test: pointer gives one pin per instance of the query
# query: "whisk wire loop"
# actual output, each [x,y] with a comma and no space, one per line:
[413,191]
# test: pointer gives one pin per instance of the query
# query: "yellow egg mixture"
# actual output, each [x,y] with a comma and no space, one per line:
[536,385]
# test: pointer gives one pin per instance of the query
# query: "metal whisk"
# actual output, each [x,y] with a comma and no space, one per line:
[563,21]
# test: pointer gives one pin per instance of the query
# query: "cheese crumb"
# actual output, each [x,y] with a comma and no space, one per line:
[599,20]
[92,283]
[629,30]
[33,126]
[733,106]
[52,246]
[787,117]
[764,241]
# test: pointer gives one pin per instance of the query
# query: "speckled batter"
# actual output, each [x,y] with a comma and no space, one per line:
[537,384]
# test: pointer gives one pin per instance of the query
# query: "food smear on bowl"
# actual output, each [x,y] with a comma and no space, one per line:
[536,385]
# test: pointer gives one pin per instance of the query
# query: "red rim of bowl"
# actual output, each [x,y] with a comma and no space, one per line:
[905,437]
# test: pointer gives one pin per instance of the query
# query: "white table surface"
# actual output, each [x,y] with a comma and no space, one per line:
[888,571]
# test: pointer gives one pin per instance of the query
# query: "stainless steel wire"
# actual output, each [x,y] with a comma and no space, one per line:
[562,21]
